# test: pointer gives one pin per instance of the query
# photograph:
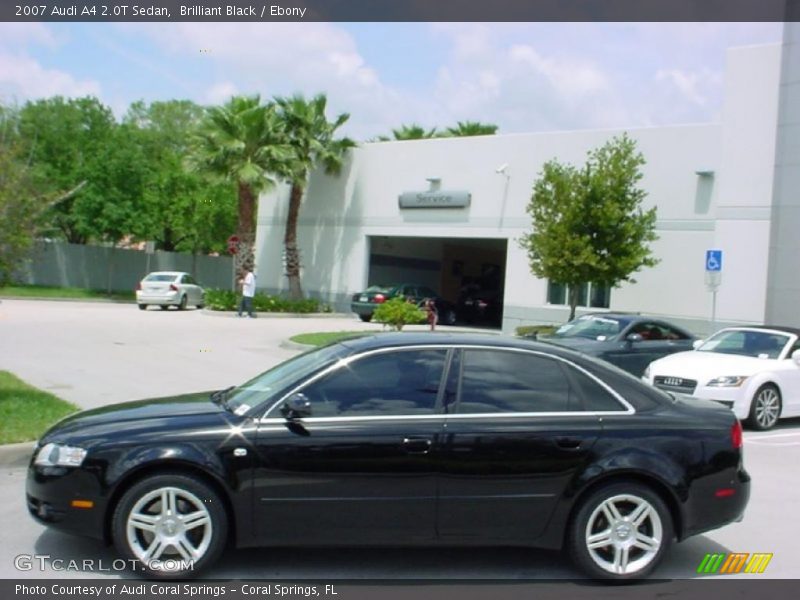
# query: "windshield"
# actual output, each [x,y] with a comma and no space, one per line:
[590,327]
[161,277]
[758,344]
[267,385]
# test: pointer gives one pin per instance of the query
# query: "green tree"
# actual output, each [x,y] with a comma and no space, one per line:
[410,132]
[314,144]
[243,142]
[21,202]
[398,312]
[588,224]
[71,144]
[470,128]
[183,209]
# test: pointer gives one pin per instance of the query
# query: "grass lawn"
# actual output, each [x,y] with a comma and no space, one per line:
[26,412]
[326,337]
[41,291]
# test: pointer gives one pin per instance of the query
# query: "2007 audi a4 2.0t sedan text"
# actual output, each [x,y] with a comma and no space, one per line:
[400,439]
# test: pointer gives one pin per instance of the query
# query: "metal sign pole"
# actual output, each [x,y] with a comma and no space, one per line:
[713,281]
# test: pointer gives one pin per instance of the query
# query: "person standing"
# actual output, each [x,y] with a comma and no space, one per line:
[248,284]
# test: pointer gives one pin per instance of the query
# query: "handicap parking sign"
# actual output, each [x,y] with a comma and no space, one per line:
[714,260]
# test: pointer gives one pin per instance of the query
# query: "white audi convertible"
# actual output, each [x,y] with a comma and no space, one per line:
[753,370]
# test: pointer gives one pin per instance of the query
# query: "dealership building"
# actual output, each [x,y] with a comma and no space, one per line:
[448,212]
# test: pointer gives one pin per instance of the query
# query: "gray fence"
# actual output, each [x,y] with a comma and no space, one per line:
[100,267]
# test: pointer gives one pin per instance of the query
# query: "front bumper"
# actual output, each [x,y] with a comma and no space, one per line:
[50,491]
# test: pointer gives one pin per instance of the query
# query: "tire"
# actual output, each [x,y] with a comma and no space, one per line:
[172,543]
[201,306]
[163,306]
[184,302]
[765,408]
[143,307]
[449,317]
[365,318]
[608,515]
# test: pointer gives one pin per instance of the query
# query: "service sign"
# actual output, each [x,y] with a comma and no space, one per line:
[435,199]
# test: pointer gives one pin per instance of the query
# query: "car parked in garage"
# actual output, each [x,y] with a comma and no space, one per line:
[169,288]
[629,341]
[364,303]
[481,307]
[753,370]
[400,439]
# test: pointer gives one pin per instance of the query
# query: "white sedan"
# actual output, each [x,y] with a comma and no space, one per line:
[753,370]
[169,288]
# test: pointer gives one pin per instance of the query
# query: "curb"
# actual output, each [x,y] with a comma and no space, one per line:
[16,455]
[277,315]
[41,299]
[290,345]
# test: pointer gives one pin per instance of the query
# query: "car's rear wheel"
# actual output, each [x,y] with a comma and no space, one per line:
[621,531]
[184,302]
[142,306]
[365,318]
[170,525]
[765,409]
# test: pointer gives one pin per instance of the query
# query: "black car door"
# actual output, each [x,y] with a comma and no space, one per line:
[361,467]
[515,437]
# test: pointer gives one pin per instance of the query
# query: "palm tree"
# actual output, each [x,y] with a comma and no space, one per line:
[313,144]
[243,142]
[470,128]
[413,132]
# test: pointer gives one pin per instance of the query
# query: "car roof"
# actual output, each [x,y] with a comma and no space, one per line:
[402,339]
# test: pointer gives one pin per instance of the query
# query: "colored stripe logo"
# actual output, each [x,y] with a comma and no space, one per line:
[734,563]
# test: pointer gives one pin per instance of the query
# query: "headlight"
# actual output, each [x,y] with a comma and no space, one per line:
[58,455]
[727,381]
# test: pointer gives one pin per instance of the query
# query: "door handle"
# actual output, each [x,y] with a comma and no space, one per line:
[417,445]
[568,443]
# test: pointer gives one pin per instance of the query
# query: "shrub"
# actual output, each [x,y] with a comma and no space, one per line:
[398,313]
[229,300]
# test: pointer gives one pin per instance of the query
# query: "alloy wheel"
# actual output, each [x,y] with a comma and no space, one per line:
[624,534]
[767,407]
[169,523]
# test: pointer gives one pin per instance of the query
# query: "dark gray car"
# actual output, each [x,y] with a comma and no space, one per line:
[630,342]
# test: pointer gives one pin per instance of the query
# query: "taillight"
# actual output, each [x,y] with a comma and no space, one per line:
[379,299]
[482,304]
[173,287]
[139,286]
[736,435]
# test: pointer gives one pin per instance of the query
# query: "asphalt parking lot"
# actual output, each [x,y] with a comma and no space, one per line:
[99,353]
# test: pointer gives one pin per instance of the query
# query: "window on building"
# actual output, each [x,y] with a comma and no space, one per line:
[593,295]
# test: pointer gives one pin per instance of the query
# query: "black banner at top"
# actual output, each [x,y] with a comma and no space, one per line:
[400,10]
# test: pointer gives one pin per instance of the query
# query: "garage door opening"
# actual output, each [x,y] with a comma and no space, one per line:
[469,273]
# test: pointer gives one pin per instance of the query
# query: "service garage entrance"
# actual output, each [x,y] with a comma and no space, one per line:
[469,272]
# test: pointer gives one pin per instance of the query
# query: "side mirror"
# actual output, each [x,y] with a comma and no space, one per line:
[296,406]
[697,343]
[634,337]
[796,357]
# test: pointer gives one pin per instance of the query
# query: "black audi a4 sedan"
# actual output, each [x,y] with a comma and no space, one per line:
[400,439]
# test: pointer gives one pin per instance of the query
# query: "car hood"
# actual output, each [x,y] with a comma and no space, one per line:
[121,415]
[706,365]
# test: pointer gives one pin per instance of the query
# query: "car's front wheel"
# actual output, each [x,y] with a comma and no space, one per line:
[765,409]
[170,526]
[621,531]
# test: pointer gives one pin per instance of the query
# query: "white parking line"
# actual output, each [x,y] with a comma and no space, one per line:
[773,439]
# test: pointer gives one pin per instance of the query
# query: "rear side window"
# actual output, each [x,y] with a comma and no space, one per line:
[496,381]
[596,398]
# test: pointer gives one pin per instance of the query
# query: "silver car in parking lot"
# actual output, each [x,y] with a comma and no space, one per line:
[169,288]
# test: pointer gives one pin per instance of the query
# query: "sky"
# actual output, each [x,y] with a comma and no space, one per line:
[523,77]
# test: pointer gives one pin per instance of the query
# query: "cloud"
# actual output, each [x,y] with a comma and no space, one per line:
[23,77]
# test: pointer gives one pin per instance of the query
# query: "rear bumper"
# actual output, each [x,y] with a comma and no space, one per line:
[363,308]
[159,299]
[707,510]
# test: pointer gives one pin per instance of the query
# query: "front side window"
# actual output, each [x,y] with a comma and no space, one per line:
[496,381]
[402,382]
